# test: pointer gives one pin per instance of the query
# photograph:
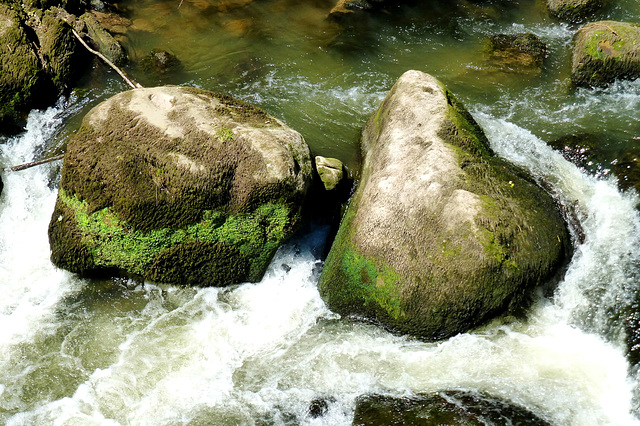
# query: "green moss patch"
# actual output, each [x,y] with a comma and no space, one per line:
[244,242]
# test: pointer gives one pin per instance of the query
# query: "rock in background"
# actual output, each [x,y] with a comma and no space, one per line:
[440,235]
[605,51]
[574,10]
[178,185]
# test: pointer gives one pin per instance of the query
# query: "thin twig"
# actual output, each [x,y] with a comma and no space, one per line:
[36,163]
[104,58]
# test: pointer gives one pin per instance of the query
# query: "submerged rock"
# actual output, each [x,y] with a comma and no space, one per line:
[159,61]
[344,8]
[442,408]
[330,171]
[574,10]
[591,152]
[516,52]
[178,185]
[604,51]
[440,235]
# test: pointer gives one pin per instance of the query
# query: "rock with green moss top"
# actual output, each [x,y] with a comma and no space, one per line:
[22,80]
[574,10]
[442,408]
[440,235]
[516,52]
[178,185]
[605,51]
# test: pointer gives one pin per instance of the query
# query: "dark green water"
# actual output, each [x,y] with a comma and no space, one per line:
[324,78]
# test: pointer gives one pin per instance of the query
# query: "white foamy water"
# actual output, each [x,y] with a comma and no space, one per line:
[31,286]
[110,353]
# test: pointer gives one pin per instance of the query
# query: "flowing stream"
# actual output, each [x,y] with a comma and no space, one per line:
[117,352]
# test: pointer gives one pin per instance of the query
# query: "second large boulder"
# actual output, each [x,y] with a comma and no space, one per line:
[178,185]
[440,235]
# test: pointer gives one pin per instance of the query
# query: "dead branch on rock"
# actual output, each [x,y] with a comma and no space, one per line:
[104,58]
[36,163]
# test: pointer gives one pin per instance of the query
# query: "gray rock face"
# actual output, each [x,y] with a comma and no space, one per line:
[330,171]
[574,10]
[178,185]
[604,51]
[440,235]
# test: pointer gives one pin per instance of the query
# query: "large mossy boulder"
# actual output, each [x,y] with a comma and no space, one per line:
[574,10]
[440,235]
[605,51]
[454,408]
[178,185]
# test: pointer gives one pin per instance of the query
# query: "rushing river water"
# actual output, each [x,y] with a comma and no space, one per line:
[81,352]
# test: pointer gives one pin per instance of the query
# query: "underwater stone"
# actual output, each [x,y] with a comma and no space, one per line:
[605,51]
[516,52]
[442,408]
[440,235]
[178,185]
[159,61]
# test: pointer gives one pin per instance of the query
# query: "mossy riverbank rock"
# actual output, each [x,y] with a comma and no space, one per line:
[22,79]
[604,51]
[178,185]
[442,408]
[40,58]
[440,235]
[574,10]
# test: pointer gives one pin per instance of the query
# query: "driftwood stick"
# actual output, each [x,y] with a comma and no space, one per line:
[104,58]
[36,163]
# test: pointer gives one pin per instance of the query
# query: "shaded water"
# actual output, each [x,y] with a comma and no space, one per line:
[77,351]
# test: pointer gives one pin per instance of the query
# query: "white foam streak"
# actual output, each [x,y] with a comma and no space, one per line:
[31,285]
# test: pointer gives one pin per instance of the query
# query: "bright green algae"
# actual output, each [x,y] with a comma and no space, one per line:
[112,244]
